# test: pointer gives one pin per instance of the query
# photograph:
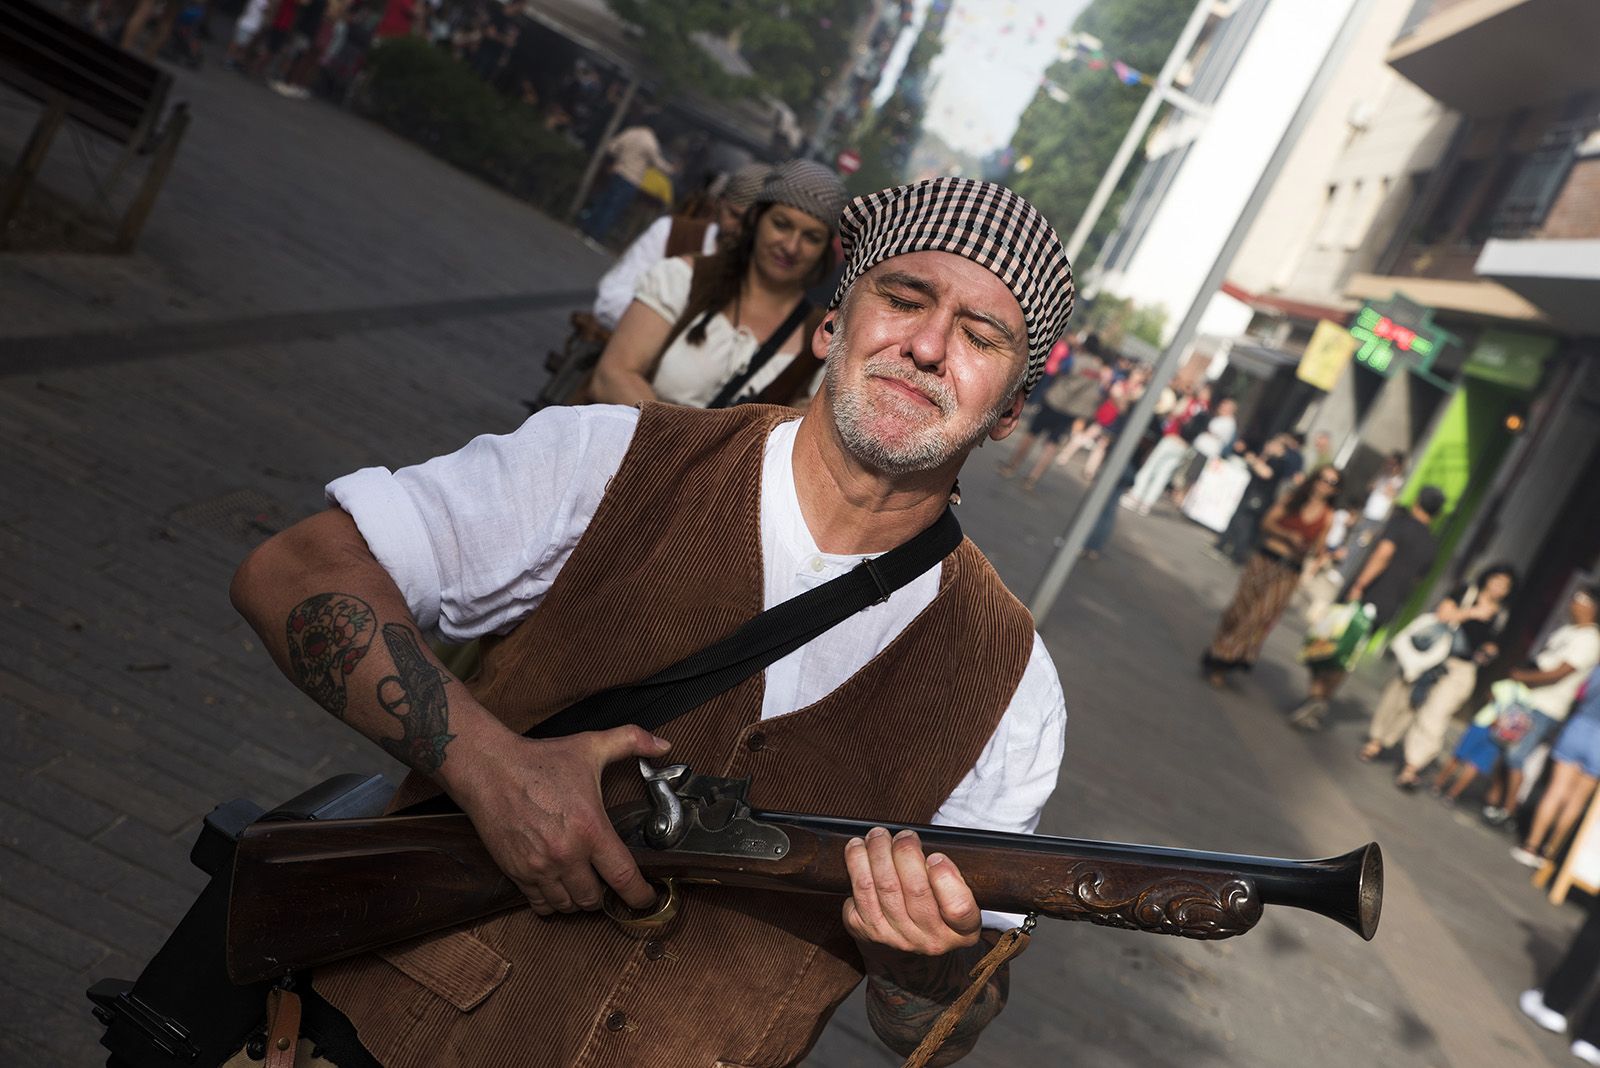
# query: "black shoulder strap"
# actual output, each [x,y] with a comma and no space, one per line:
[769,348]
[766,639]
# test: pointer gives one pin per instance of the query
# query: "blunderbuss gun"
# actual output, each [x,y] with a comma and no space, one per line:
[307,892]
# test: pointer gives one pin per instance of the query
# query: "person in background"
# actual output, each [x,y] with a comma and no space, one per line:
[696,325]
[1399,561]
[402,18]
[677,235]
[1375,512]
[245,32]
[1052,418]
[1215,442]
[1567,988]
[1575,771]
[1569,654]
[300,59]
[1420,710]
[270,46]
[632,152]
[1276,465]
[1109,419]
[1318,453]
[1186,422]
[1291,532]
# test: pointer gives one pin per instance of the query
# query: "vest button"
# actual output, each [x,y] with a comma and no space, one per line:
[616,1021]
[654,949]
[756,742]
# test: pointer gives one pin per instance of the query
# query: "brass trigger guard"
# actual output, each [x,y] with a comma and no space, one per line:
[645,923]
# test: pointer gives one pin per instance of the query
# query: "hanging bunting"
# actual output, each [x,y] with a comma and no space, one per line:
[1126,74]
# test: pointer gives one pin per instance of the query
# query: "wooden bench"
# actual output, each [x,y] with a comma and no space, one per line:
[74,74]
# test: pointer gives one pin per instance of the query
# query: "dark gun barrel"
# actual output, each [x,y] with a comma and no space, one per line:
[1347,889]
[309,892]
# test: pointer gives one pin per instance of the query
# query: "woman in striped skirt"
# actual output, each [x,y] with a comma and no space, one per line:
[1292,532]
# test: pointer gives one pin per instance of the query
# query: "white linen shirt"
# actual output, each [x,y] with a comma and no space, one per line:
[694,374]
[475,539]
[615,291]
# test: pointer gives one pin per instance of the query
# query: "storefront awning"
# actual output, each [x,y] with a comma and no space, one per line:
[1562,278]
[1260,361]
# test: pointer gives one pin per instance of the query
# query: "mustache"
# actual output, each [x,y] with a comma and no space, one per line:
[891,367]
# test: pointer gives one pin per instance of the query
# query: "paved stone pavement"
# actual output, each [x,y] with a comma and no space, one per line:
[312,296]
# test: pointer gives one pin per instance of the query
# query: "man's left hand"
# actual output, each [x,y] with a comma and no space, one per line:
[903,901]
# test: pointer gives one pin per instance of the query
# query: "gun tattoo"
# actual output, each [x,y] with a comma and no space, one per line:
[414,695]
[328,635]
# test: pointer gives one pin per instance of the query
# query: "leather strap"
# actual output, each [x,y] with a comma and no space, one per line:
[766,639]
[729,393]
[283,1027]
[1011,944]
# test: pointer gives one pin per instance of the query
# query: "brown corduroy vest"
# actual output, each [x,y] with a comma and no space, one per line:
[672,562]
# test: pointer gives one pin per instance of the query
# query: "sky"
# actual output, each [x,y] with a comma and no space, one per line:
[994,54]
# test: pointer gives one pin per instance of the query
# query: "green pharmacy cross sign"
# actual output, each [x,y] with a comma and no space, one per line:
[1397,330]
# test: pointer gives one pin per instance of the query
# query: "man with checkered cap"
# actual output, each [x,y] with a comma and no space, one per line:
[596,546]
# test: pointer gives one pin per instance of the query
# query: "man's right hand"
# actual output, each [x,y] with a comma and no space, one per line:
[537,806]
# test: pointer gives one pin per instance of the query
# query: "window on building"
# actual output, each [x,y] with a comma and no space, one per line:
[1355,209]
[1533,185]
[1328,219]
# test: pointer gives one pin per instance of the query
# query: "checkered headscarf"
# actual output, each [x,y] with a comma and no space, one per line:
[807,186]
[989,225]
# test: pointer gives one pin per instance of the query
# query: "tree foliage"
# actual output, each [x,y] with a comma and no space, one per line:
[1115,318]
[795,47]
[889,134]
[1071,144]
[424,94]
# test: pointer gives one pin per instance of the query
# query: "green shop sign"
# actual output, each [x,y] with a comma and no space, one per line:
[1510,359]
[1396,333]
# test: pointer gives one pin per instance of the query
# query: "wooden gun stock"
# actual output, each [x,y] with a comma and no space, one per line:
[309,892]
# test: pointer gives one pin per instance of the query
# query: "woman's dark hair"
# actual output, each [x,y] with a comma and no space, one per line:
[1302,493]
[1489,572]
[718,277]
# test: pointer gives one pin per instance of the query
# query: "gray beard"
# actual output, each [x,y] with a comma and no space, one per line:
[925,449]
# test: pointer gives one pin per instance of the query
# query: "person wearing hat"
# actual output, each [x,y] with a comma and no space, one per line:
[677,235]
[714,330]
[1398,560]
[600,544]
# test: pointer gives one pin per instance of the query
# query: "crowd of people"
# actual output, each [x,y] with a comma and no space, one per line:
[319,47]
[1360,559]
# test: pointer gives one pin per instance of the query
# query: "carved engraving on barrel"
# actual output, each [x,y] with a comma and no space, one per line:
[1140,900]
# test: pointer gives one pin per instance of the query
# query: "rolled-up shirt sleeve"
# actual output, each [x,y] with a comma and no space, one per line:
[616,288]
[474,539]
[1016,772]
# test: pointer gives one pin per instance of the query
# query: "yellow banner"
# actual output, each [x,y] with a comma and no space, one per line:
[1327,354]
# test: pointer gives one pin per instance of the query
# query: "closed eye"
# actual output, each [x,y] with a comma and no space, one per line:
[900,305]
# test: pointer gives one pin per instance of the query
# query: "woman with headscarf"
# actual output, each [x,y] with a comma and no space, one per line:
[713,330]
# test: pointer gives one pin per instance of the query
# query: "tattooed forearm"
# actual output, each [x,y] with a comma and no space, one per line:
[414,695]
[906,997]
[328,635]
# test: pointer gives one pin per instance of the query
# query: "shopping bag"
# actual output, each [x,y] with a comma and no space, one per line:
[1333,639]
